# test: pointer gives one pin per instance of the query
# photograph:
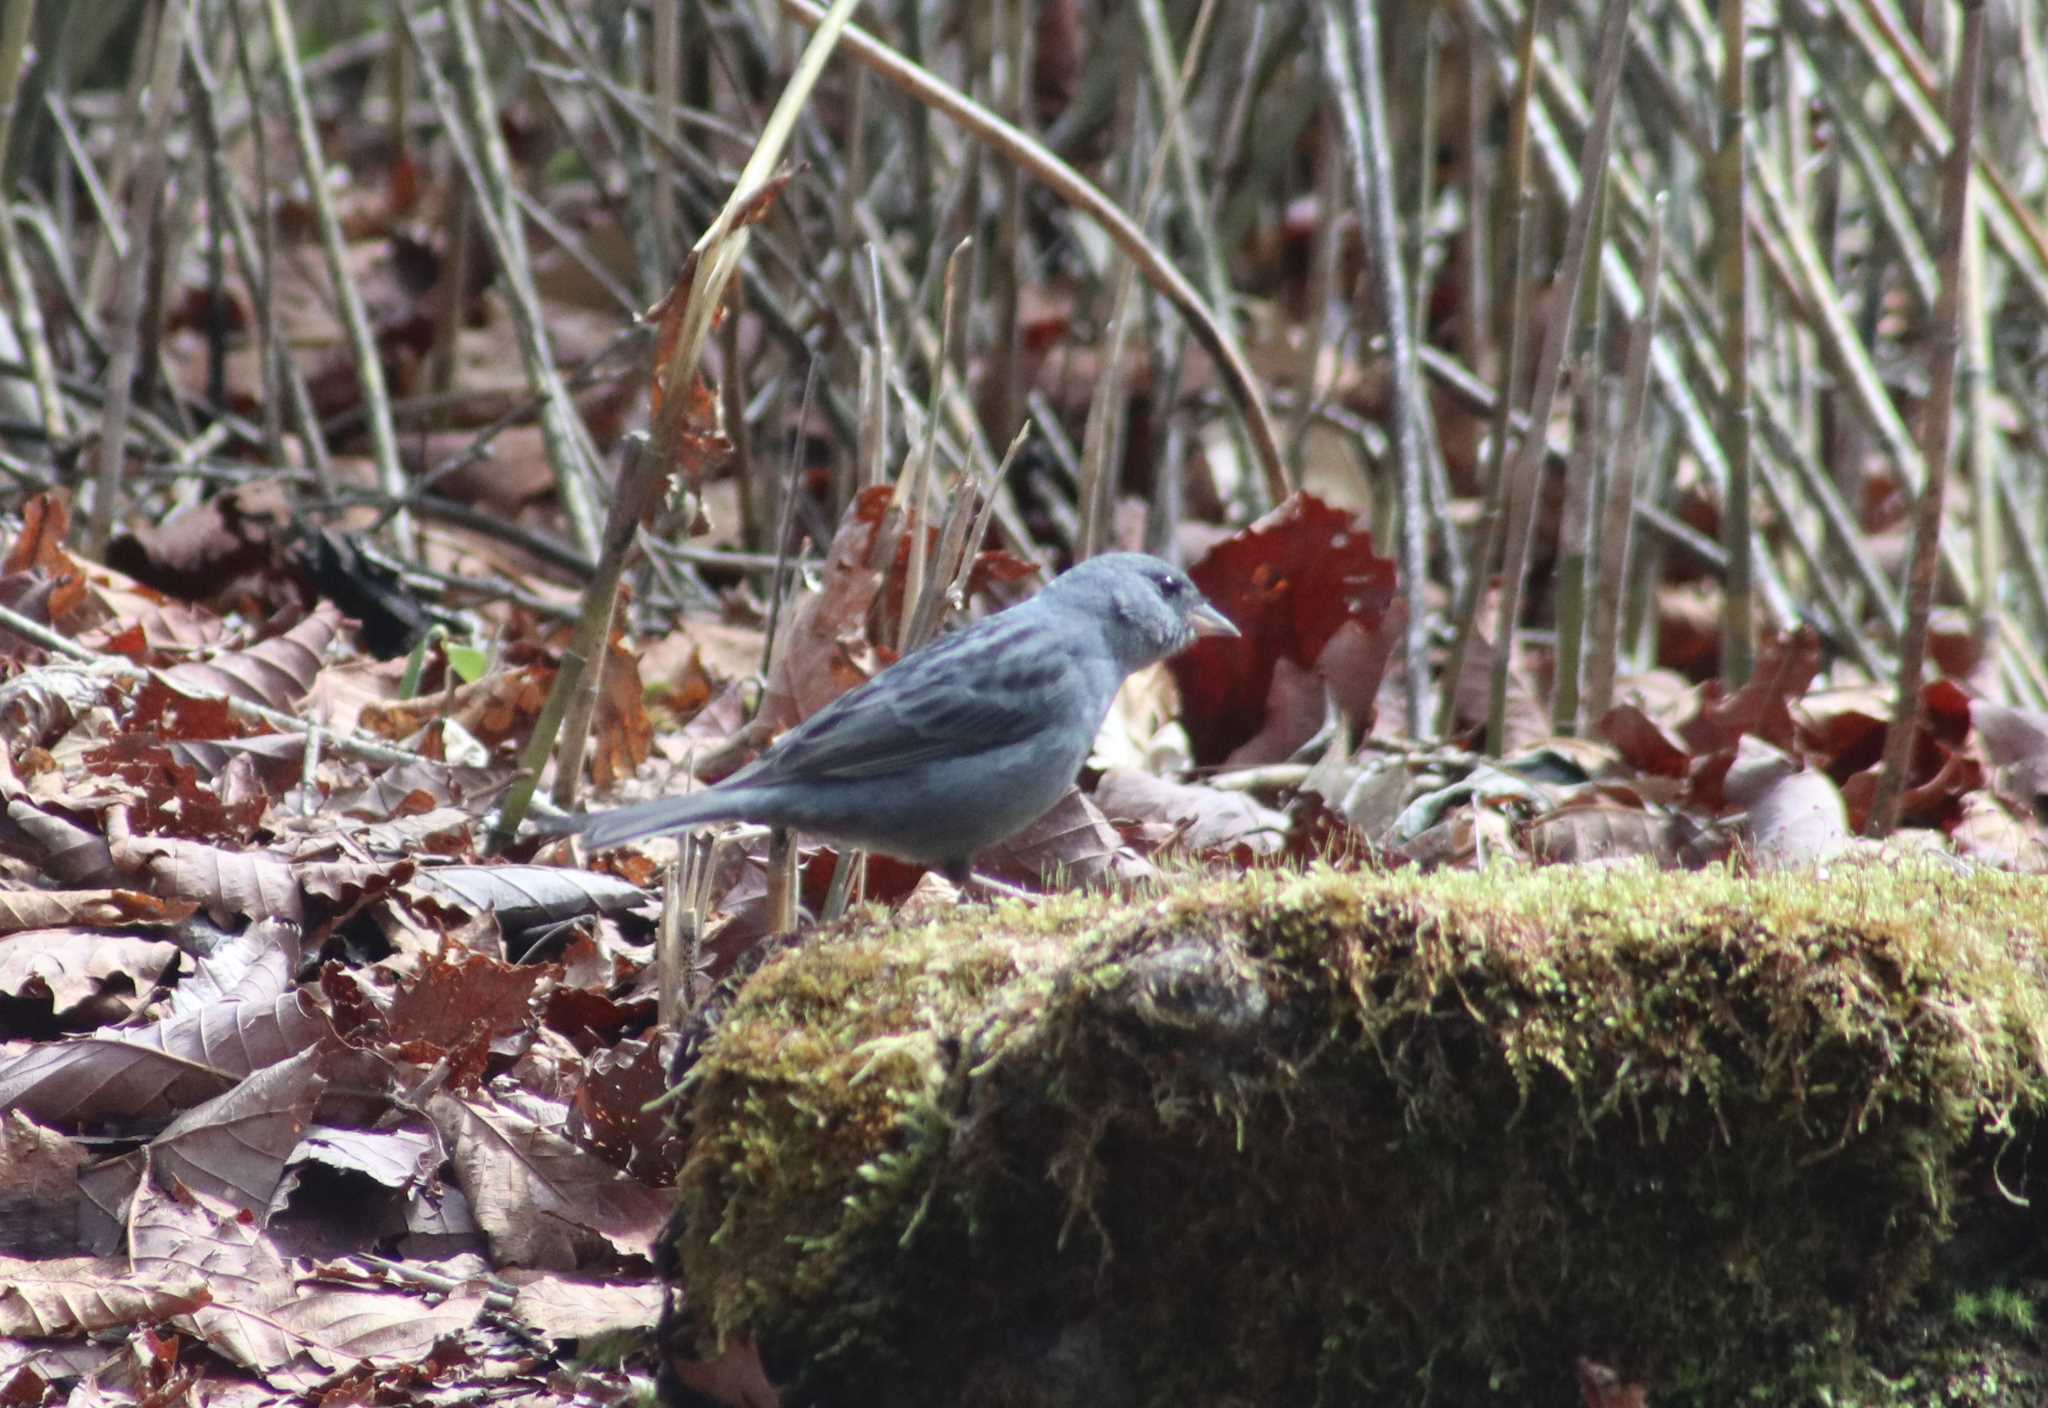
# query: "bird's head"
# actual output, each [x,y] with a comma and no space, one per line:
[1148,609]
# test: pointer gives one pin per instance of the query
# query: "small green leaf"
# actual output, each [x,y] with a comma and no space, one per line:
[467,661]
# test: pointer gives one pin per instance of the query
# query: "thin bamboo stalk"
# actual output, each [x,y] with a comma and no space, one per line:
[1944,344]
[1528,468]
[1362,106]
[1728,180]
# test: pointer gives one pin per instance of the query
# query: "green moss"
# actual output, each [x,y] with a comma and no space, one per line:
[2005,1306]
[1985,1351]
[1330,1138]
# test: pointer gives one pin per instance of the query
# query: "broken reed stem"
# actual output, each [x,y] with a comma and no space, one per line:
[649,460]
[1520,292]
[1577,563]
[256,252]
[1574,581]
[132,292]
[913,494]
[1358,82]
[1944,343]
[1168,77]
[664,89]
[1981,447]
[1102,432]
[1572,271]
[642,477]
[1729,187]
[1008,271]
[21,291]
[1915,87]
[1089,199]
[481,151]
[1102,437]
[355,316]
[1617,512]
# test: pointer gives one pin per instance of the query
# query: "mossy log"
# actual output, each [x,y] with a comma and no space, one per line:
[1376,1139]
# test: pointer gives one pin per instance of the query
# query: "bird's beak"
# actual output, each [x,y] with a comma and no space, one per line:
[1208,621]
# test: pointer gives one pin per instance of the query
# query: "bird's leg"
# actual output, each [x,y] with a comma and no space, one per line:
[848,871]
[960,870]
[781,881]
[998,889]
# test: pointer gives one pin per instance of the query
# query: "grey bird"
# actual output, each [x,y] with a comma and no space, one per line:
[963,743]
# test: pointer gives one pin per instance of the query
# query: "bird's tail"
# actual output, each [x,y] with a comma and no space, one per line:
[621,825]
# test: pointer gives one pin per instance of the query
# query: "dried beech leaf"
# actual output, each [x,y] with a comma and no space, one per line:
[414,787]
[278,672]
[296,1334]
[543,1202]
[1072,845]
[813,663]
[736,1376]
[1199,818]
[23,911]
[611,1111]
[229,883]
[2016,743]
[1796,816]
[570,1308]
[82,1295]
[174,1064]
[521,895]
[621,734]
[40,1200]
[1597,827]
[396,1158]
[37,705]
[234,1146]
[70,966]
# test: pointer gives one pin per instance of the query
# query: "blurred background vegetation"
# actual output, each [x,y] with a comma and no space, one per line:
[361,247]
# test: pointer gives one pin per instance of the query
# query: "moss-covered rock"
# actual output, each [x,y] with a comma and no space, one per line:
[1348,1138]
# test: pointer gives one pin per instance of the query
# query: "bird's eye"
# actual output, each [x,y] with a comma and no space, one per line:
[1171,587]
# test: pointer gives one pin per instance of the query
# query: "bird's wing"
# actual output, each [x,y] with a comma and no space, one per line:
[964,694]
